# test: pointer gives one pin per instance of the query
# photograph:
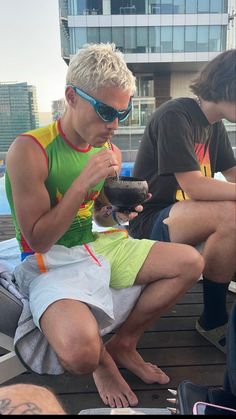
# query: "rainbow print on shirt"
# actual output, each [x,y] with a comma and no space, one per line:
[203,157]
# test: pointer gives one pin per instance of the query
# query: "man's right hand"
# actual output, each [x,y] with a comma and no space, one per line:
[99,166]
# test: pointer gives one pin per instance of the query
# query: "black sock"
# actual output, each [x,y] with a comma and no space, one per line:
[215,309]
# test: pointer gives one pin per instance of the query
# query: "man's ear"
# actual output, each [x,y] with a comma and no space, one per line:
[70,95]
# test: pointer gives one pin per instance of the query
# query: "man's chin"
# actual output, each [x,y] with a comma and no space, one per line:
[99,144]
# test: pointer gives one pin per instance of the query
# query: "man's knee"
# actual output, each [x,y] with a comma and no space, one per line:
[82,357]
[192,264]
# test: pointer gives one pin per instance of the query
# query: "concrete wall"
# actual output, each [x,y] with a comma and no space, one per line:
[179,85]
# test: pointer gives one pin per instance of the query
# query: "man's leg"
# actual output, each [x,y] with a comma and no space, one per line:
[165,283]
[213,223]
[27,399]
[80,350]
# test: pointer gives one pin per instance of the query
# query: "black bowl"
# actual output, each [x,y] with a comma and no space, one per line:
[125,192]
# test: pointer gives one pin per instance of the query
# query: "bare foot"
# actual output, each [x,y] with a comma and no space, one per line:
[132,360]
[112,388]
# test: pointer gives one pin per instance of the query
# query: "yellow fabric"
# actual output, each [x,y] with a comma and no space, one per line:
[125,255]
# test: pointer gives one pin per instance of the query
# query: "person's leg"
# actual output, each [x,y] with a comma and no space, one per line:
[80,350]
[213,223]
[28,399]
[168,272]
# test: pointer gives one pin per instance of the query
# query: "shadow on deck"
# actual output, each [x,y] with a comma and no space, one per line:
[172,343]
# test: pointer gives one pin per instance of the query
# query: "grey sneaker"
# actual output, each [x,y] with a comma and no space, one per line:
[216,336]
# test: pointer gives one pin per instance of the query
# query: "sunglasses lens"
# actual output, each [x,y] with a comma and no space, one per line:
[124,115]
[107,113]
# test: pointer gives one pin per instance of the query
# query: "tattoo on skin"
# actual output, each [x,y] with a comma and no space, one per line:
[7,408]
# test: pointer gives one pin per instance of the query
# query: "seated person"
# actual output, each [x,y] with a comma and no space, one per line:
[67,269]
[185,143]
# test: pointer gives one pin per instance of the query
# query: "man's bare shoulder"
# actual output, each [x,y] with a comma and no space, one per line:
[25,155]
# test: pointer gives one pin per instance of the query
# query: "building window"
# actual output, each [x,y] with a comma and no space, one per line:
[179,6]
[123,7]
[154,39]
[79,37]
[202,38]
[203,6]
[89,7]
[166,6]
[142,39]
[154,7]
[178,39]
[191,6]
[145,86]
[105,35]
[214,38]
[93,35]
[166,39]
[118,37]
[130,39]
[190,38]
[216,6]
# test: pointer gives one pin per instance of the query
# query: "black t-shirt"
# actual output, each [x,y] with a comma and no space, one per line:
[178,138]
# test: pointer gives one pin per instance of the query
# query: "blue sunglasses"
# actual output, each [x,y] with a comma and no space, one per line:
[105,112]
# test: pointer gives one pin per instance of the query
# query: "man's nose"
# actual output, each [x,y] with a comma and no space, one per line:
[113,124]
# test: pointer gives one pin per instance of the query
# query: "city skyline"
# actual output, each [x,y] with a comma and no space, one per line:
[30,48]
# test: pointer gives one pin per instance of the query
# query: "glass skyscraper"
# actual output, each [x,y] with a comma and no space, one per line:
[18,111]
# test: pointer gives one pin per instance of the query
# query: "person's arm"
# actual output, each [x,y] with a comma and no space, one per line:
[203,188]
[40,224]
[29,399]
[230,175]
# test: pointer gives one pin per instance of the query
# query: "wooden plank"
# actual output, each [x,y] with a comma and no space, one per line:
[74,403]
[211,375]
[183,310]
[174,339]
[166,339]
[80,392]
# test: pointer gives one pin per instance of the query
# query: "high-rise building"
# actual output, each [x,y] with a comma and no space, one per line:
[165,43]
[18,111]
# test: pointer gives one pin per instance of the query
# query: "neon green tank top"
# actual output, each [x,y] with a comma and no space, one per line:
[65,163]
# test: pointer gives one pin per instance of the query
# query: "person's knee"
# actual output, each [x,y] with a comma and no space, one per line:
[82,357]
[192,264]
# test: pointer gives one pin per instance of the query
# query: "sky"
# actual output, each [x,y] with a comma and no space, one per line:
[30,49]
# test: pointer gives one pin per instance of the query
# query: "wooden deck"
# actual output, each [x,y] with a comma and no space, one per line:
[172,343]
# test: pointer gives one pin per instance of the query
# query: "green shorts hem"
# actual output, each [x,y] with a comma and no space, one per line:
[125,255]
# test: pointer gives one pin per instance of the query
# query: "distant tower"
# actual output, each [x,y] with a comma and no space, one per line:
[18,111]
[58,108]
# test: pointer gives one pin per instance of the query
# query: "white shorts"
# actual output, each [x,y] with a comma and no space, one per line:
[67,273]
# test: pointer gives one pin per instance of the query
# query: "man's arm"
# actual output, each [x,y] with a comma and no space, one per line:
[28,399]
[203,188]
[40,224]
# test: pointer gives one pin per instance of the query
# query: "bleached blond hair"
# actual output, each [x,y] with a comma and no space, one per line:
[100,65]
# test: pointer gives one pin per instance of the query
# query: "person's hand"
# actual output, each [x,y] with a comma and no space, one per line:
[100,165]
[125,217]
